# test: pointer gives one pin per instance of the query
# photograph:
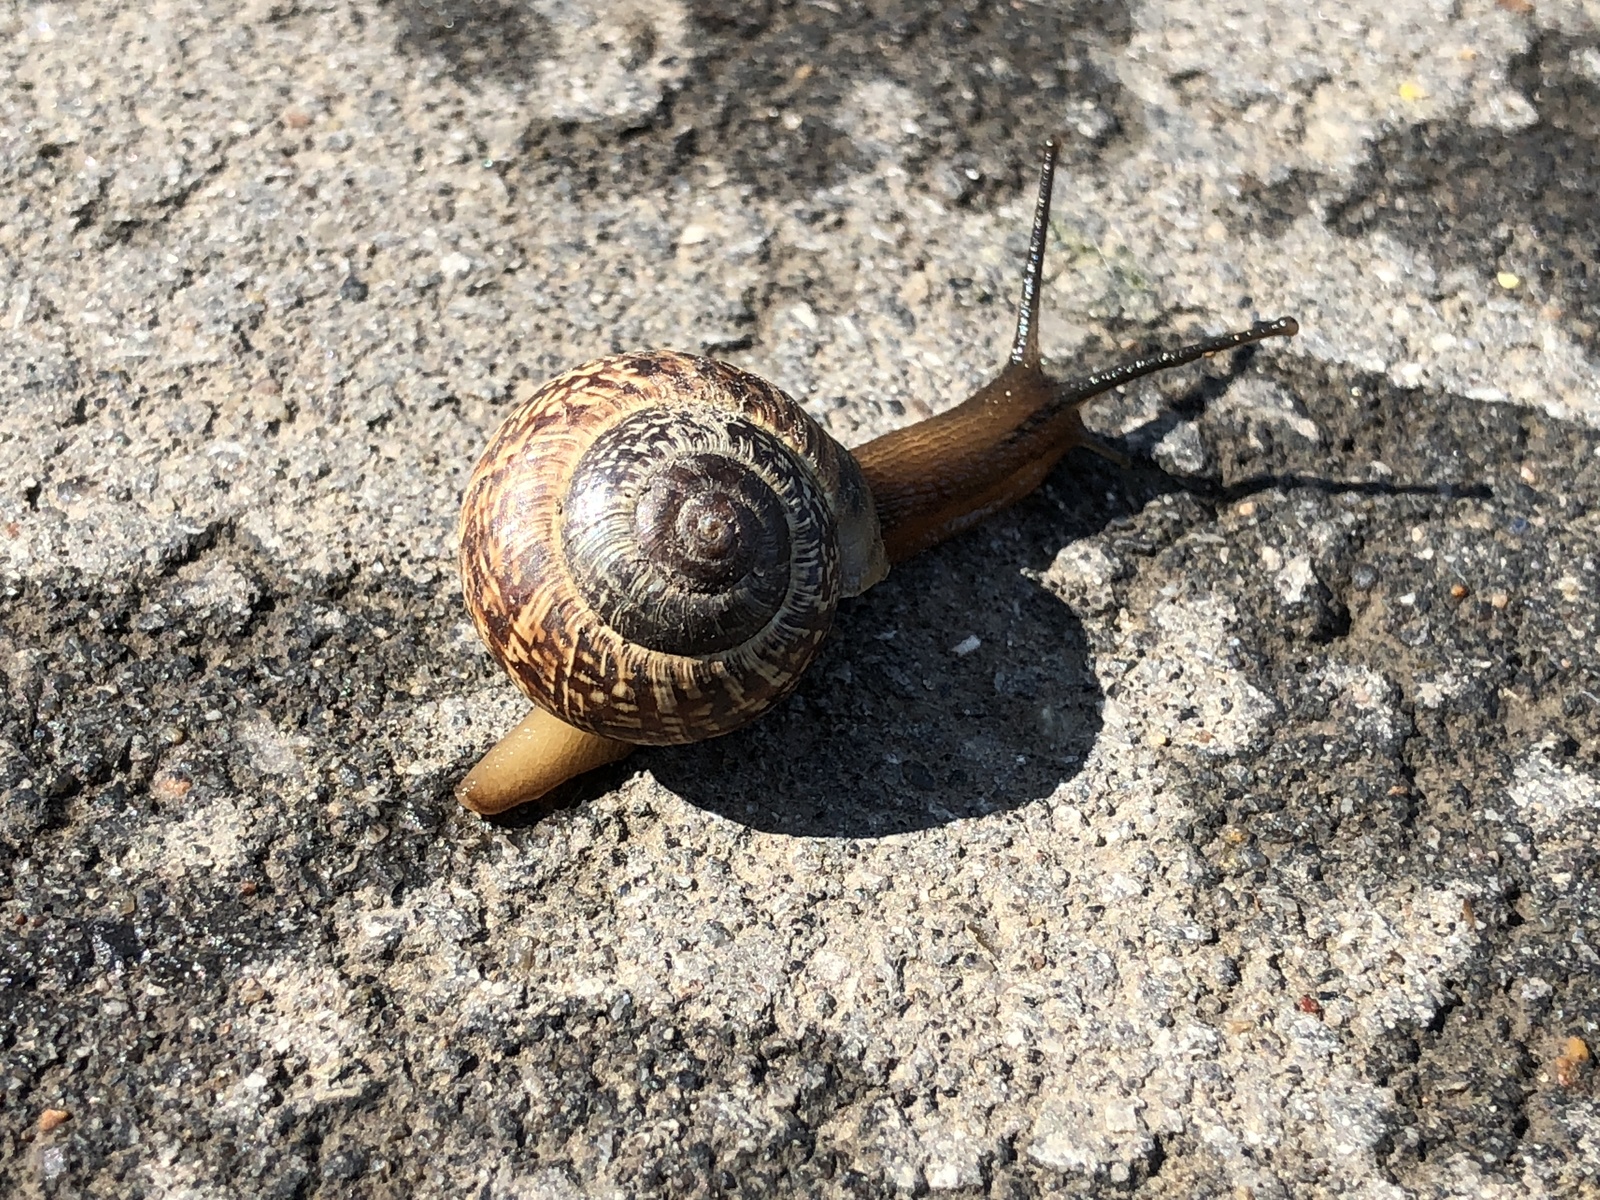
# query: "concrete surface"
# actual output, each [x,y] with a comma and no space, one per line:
[1251,851]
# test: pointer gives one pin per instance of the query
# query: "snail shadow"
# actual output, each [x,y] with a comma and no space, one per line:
[957,688]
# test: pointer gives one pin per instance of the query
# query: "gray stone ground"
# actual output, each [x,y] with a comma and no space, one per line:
[1253,850]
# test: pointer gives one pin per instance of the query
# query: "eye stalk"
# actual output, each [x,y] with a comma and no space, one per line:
[654,545]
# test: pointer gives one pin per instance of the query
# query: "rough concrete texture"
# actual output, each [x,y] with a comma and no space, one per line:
[1225,826]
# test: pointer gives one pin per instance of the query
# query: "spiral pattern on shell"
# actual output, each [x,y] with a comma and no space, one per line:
[651,545]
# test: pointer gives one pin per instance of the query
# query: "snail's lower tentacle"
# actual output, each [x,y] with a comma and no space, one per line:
[541,753]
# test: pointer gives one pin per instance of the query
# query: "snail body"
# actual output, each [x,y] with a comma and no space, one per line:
[654,544]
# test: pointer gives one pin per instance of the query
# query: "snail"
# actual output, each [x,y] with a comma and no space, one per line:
[653,545]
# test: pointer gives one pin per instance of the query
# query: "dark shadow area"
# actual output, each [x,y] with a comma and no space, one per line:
[479,39]
[988,77]
[768,83]
[1525,201]
[1242,488]
[891,730]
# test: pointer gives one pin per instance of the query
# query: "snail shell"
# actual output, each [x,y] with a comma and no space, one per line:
[653,546]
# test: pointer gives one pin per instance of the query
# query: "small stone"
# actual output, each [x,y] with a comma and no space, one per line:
[54,1118]
[1182,451]
[251,992]
[172,783]
[1295,579]
[1569,1063]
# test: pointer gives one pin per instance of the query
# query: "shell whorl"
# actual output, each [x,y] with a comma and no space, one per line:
[651,545]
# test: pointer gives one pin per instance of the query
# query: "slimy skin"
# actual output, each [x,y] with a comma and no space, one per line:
[539,754]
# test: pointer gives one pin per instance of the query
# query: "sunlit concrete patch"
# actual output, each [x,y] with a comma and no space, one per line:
[1553,796]
[1182,687]
[210,836]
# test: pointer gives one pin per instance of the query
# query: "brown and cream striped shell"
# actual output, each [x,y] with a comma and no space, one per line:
[653,545]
